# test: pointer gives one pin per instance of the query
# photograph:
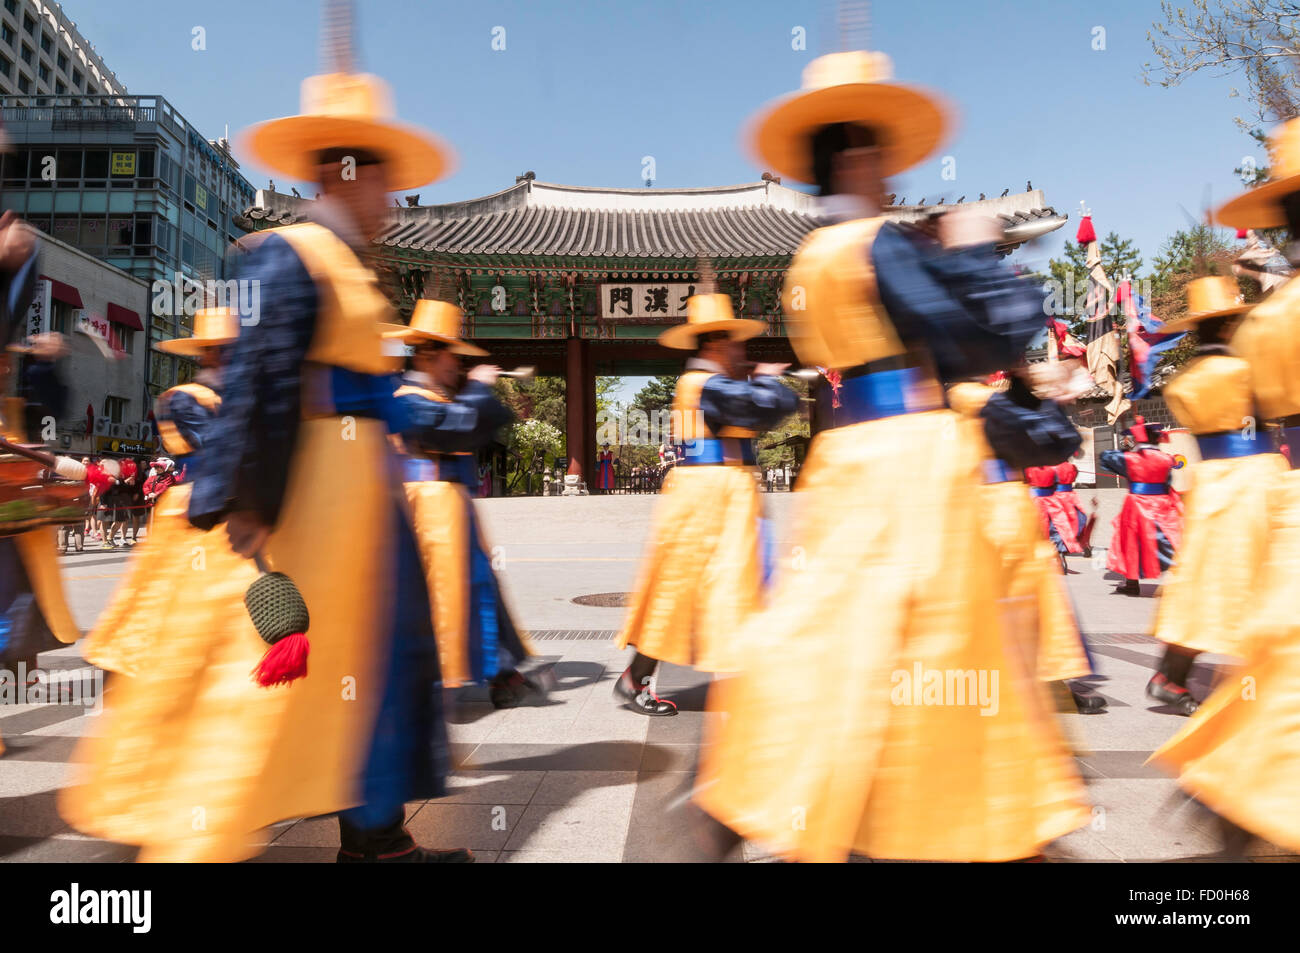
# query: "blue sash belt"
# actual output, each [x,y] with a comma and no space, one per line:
[1041,490]
[997,471]
[907,390]
[1231,443]
[443,469]
[1064,487]
[716,451]
[1149,489]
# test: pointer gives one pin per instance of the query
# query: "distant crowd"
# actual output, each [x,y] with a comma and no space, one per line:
[122,492]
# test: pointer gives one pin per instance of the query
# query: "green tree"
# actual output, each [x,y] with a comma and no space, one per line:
[1197,250]
[657,394]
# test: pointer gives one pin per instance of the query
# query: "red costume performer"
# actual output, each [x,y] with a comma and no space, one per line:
[1058,525]
[1149,527]
[1068,502]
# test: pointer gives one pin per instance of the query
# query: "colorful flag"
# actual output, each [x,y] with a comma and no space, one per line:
[1146,338]
[1067,345]
[1103,338]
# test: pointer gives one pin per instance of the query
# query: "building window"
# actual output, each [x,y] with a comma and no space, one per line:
[12,6]
[29,25]
[60,317]
[43,72]
[60,87]
[91,89]
[7,33]
[114,409]
[24,84]
[77,78]
[6,65]
[62,63]
[27,54]
[121,338]
[46,45]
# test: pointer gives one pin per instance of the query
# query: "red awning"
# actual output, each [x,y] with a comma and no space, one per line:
[124,316]
[62,291]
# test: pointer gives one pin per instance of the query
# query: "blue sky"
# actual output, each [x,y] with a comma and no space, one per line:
[585,89]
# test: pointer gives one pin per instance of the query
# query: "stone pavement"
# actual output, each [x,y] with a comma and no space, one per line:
[578,778]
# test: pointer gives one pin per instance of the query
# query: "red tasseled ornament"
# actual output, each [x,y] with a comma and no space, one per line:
[1241,233]
[285,662]
[1086,232]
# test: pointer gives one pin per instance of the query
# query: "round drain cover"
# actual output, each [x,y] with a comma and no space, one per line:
[604,600]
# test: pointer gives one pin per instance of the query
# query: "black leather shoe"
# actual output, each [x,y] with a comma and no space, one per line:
[1131,587]
[1087,701]
[1175,696]
[642,700]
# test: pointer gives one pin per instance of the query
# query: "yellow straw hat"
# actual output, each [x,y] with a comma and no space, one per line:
[212,328]
[1260,207]
[849,87]
[349,111]
[706,314]
[1212,297]
[436,321]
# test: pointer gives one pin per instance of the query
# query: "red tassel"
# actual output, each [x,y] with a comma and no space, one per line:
[285,662]
[1086,232]
[1241,233]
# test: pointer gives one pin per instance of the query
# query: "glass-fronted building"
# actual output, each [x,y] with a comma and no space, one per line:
[129,181]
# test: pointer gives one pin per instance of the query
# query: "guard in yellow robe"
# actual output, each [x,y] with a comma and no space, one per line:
[477,638]
[306,478]
[170,571]
[1216,572]
[1240,753]
[1035,603]
[910,722]
[702,573]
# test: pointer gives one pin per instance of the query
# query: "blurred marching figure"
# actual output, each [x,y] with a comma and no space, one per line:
[307,483]
[1240,753]
[1067,501]
[703,570]
[1213,584]
[1035,602]
[34,615]
[185,586]
[1056,523]
[883,668]
[1148,530]
[477,639]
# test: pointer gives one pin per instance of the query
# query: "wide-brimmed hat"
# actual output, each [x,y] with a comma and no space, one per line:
[1215,296]
[707,314]
[435,321]
[1261,206]
[213,327]
[851,87]
[346,110]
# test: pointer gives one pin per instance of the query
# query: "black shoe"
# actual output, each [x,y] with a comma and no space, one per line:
[1087,701]
[643,700]
[411,855]
[1131,587]
[1175,696]
[509,688]
[1087,552]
